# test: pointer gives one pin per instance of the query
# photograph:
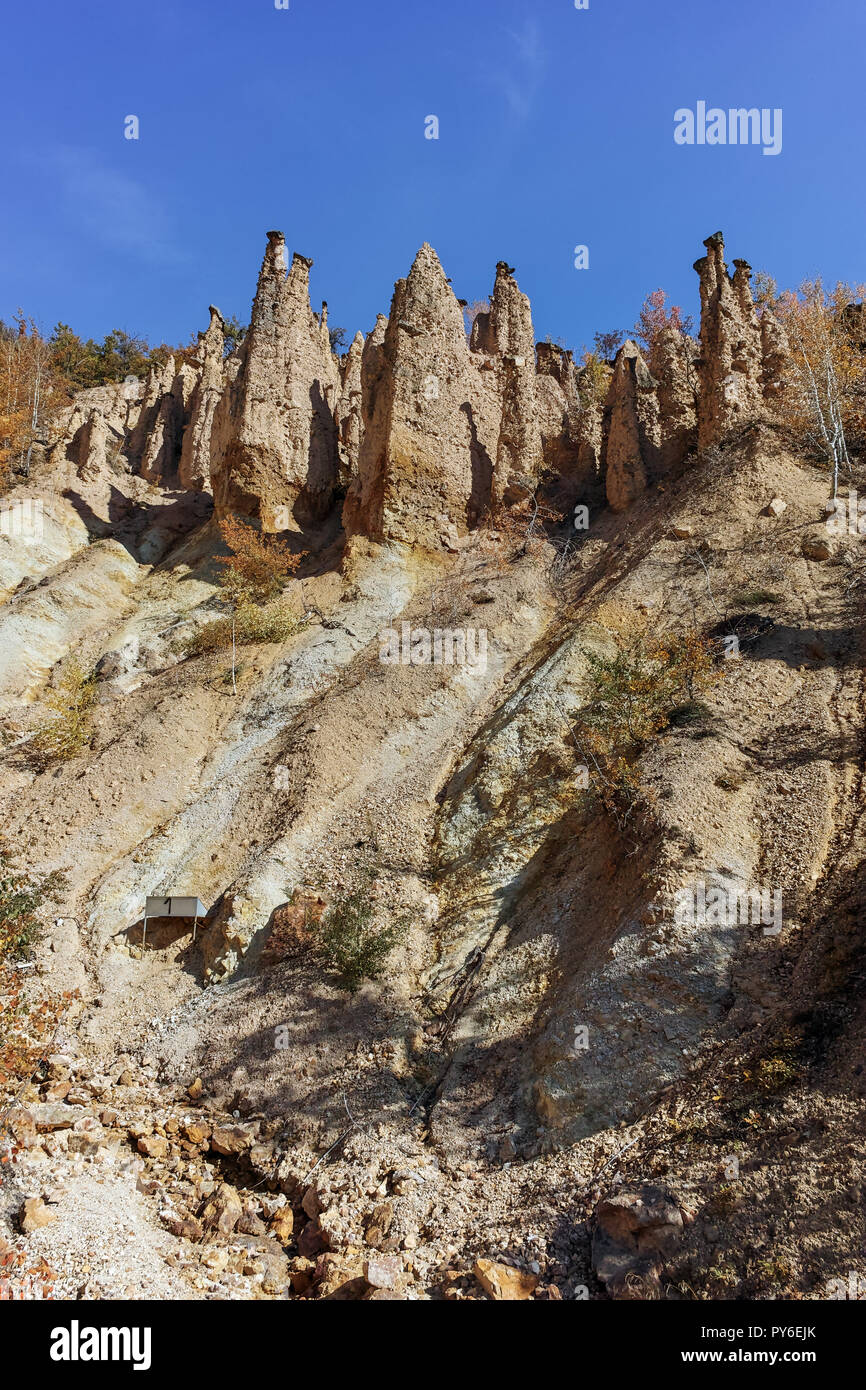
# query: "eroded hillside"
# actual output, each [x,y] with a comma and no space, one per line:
[561,1084]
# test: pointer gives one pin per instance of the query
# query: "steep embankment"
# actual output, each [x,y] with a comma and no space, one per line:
[532,916]
[555,1054]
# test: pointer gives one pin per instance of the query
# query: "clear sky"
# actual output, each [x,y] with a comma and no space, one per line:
[556,129]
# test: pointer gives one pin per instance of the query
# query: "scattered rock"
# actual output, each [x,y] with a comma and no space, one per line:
[382,1271]
[816,546]
[223,1211]
[502,1282]
[229,1142]
[152,1146]
[34,1214]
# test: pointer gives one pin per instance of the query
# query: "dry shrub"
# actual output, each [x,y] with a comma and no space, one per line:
[251,624]
[258,567]
[67,731]
[252,578]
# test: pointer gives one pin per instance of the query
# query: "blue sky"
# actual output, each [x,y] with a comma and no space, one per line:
[555,129]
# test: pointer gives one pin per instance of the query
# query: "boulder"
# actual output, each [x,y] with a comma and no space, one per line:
[633,1232]
[35,1214]
[502,1282]
[223,1210]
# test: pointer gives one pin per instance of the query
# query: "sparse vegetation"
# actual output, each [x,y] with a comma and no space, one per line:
[67,731]
[40,373]
[21,896]
[593,378]
[351,939]
[258,567]
[249,624]
[654,318]
[630,697]
[26,1023]
[825,398]
[779,1065]
[234,333]
[754,598]
[252,579]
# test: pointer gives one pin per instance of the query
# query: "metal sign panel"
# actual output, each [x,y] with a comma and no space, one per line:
[174,907]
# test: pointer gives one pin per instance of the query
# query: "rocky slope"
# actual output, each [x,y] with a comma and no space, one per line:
[547,1092]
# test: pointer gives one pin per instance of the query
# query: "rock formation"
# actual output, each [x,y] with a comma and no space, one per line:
[423,433]
[420,476]
[92,442]
[348,413]
[672,363]
[568,419]
[730,363]
[581,974]
[162,447]
[633,433]
[194,467]
[510,335]
[274,453]
[776,354]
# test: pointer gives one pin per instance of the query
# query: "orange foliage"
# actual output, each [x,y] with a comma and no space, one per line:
[828,344]
[258,566]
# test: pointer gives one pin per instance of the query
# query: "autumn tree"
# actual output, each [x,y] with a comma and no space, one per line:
[39,375]
[654,317]
[593,376]
[606,345]
[825,398]
[252,579]
[30,389]
[258,566]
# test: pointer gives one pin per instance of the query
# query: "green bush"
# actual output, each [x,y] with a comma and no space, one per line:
[351,941]
[630,697]
[754,598]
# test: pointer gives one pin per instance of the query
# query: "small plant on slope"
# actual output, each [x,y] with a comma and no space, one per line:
[629,698]
[27,1023]
[351,941]
[252,581]
[67,731]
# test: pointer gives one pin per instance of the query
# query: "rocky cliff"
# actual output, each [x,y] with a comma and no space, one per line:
[419,435]
[540,1093]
